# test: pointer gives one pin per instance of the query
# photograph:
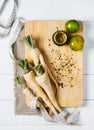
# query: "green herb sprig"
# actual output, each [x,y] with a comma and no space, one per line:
[24,64]
[29,41]
[38,69]
[19,81]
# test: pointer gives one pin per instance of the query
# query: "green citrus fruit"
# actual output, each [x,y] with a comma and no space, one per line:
[76,43]
[72,26]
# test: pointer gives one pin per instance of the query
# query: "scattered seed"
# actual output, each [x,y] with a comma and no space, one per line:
[49,40]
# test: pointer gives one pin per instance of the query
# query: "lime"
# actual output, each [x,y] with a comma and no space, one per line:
[72,26]
[76,43]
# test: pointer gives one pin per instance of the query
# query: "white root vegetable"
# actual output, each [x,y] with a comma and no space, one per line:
[47,70]
[37,58]
[35,53]
[30,79]
[29,95]
[44,81]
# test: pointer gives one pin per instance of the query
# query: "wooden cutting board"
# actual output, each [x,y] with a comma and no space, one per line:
[65,64]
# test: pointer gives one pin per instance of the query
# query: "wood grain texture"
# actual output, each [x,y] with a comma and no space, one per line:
[72,92]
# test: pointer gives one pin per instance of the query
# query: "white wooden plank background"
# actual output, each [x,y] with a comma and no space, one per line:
[49,9]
